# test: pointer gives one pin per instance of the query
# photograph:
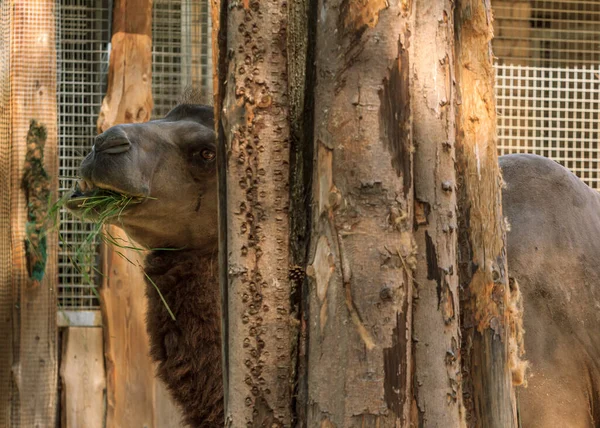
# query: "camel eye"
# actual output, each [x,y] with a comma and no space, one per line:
[207,154]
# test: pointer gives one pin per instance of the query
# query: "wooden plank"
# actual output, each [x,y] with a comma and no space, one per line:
[132,399]
[79,318]
[33,96]
[83,378]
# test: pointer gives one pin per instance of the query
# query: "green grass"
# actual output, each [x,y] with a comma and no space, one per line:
[98,208]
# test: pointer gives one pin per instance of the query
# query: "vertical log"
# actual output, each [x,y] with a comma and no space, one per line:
[33,268]
[362,247]
[489,396]
[131,382]
[129,93]
[253,129]
[436,312]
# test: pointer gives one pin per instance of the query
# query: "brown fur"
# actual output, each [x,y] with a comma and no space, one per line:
[187,350]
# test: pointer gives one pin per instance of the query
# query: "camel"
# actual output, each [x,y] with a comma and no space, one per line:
[170,163]
[552,254]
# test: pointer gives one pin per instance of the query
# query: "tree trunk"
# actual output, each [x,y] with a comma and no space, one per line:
[384,87]
[254,133]
[133,395]
[489,395]
[436,310]
[362,248]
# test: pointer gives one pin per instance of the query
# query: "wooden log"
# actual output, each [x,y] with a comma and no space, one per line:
[129,94]
[34,369]
[362,249]
[83,378]
[131,383]
[438,391]
[488,391]
[253,128]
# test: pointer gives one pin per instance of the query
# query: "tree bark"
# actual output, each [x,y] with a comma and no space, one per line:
[254,133]
[436,312]
[393,86]
[133,396]
[362,247]
[489,395]
[129,93]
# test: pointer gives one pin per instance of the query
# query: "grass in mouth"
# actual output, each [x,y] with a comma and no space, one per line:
[97,208]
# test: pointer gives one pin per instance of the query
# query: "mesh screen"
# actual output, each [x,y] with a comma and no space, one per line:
[84,37]
[181,50]
[6,297]
[548,81]
[181,57]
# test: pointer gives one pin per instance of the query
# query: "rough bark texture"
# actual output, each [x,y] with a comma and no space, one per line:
[436,311]
[254,133]
[362,249]
[129,94]
[33,178]
[488,392]
[131,382]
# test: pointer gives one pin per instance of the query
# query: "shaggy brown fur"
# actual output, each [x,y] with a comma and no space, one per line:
[188,350]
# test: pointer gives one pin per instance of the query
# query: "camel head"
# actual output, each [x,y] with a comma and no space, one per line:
[168,166]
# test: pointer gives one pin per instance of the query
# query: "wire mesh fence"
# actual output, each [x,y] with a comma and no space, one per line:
[548,81]
[83,35]
[181,50]
[181,57]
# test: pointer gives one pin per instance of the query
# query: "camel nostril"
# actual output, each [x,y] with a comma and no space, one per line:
[113,141]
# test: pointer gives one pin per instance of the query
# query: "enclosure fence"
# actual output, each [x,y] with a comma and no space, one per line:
[553,112]
[548,81]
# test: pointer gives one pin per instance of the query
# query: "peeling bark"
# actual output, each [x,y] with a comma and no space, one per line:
[436,322]
[489,396]
[254,140]
[362,251]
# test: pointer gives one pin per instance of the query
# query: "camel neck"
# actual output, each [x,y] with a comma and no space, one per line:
[188,347]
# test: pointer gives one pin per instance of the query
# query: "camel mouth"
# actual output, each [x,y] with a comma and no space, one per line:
[92,201]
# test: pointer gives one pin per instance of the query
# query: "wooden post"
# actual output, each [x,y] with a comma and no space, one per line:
[362,248]
[438,392]
[253,128]
[129,94]
[31,280]
[489,395]
[133,392]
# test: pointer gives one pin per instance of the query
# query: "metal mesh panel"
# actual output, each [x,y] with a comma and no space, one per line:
[181,57]
[6,296]
[551,112]
[84,35]
[181,50]
[548,33]
[548,81]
